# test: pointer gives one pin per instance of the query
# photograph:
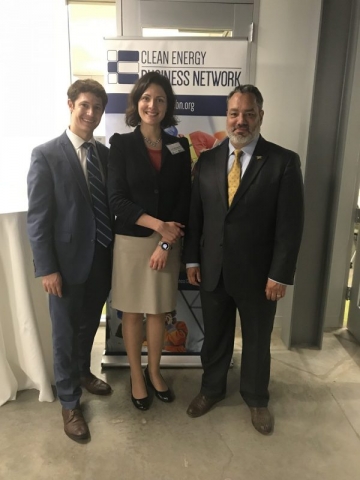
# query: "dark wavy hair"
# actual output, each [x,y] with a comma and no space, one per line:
[87,86]
[132,117]
[248,89]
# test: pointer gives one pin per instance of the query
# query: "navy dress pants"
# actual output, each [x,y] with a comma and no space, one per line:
[75,318]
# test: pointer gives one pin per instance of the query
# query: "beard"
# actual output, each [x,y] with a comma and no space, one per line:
[242,140]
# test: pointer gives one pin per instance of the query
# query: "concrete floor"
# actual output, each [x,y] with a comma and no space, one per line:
[315,397]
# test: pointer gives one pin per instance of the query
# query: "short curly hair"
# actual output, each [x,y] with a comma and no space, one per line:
[132,117]
[87,86]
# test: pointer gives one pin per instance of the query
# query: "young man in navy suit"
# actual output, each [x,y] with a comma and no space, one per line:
[241,247]
[70,254]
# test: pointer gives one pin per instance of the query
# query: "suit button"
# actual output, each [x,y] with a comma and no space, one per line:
[156,191]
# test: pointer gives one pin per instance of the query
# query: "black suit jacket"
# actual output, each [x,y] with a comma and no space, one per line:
[61,222]
[259,236]
[135,187]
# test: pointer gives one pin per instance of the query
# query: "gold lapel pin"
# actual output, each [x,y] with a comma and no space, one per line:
[259,158]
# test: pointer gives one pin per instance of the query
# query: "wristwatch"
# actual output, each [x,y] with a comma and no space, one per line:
[165,245]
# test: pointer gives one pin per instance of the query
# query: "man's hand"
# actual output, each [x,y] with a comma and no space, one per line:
[193,275]
[53,284]
[274,291]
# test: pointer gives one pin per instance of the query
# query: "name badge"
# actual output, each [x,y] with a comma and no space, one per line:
[175,148]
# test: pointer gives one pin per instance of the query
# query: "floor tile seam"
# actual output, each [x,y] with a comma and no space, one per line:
[223,440]
[354,354]
[343,412]
[350,340]
[320,377]
[337,366]
[343,369]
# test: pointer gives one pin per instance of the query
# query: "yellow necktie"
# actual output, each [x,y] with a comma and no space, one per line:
[234,176]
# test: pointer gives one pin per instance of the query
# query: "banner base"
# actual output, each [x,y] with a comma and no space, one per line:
[181,361]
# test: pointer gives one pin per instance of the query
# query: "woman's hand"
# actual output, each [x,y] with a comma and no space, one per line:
[171,231]
[158,259]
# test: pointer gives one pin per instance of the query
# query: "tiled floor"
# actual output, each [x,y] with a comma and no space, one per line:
[315,397]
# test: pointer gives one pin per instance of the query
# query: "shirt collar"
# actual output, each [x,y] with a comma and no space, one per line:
[248,149]
[76,140]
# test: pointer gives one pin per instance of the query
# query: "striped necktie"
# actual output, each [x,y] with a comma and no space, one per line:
[98,196]
[234,176]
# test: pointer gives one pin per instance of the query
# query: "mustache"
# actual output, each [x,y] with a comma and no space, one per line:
[240,125]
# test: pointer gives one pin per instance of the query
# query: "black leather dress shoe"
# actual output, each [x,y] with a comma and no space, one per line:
[94,385]
[167,396]
[202,404]
[140,403]
[75,425]
[262,420]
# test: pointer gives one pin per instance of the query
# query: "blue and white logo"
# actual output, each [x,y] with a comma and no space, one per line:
[123,66]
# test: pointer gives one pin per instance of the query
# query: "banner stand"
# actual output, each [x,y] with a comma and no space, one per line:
[172,361]
[202,72]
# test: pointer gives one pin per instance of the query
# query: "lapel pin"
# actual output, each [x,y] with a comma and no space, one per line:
[259,158]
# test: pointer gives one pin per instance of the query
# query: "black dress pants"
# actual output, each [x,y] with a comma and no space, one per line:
[257,319]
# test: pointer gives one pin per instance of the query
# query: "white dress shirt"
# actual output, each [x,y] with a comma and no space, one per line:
[245,158]
[77,143]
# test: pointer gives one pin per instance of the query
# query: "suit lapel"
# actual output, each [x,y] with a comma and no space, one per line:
[165,152]
[166,155]
[257,162]
[221,159]
[72,158]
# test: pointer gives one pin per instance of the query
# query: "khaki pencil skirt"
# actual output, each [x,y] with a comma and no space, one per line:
[136,288]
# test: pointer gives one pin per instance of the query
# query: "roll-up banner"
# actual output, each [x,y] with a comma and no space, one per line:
[202,72]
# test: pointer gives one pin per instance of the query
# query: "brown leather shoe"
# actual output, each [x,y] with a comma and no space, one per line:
[262,420]
[75,426]
[95,385]
[202,404]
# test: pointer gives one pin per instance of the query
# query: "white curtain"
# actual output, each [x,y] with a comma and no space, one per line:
[25,329]
[35,76]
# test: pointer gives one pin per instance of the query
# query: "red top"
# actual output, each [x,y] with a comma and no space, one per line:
[155,157]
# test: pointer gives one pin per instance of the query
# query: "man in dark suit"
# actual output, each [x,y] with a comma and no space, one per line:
[241,247]
[72,246]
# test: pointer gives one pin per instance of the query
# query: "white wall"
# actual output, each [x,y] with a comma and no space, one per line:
[88,25]
[285,70]
[35,75]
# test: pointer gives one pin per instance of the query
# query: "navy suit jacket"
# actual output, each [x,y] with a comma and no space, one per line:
[61,222]
[259,236]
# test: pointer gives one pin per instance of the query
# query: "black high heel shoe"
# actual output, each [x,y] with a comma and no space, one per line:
[166,396]
[140,403]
